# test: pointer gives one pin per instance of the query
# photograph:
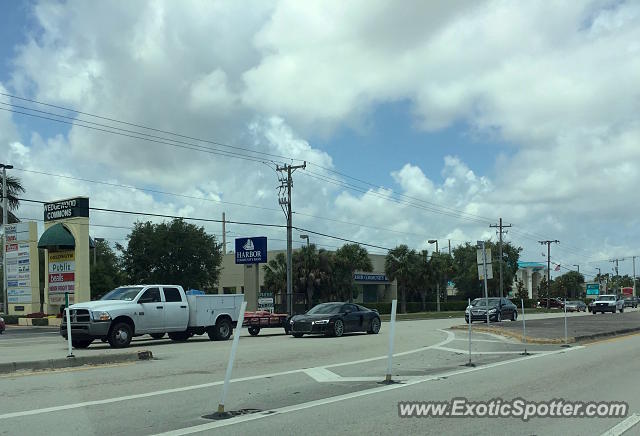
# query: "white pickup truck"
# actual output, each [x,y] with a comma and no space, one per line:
[130,311]
[607,303]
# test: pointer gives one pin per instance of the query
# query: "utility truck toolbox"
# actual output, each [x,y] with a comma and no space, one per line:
[155,310]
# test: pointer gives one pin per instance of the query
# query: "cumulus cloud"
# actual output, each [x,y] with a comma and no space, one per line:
[557,82]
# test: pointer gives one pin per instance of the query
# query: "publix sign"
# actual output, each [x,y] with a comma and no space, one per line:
[251,250]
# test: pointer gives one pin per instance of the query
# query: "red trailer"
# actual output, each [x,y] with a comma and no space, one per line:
[255,321]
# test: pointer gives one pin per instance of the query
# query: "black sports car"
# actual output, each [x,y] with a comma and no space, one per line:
[334,319]
[499,309]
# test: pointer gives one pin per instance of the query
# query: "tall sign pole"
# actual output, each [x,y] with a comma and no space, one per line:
[499,226]
[633,259]
[285,203]
[5,221]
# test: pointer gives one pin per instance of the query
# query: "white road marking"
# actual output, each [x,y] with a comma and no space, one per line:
[623,426]
[450,337]
[323,375]
[482,340]
[330,400]
[456,350]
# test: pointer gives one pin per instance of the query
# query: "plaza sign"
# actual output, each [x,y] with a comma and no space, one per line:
[74,207]
[251,250]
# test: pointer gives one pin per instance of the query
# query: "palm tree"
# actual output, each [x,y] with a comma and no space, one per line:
[14,189]
[348,259]
[275,274]
[400,265]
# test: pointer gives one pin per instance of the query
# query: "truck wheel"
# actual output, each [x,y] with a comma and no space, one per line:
[298,335]
[621,310]
[157,335]
[120,335]
[179,336]
[81,343]
[221,331]
[253,331]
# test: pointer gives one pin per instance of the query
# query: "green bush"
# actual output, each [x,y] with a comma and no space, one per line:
[40,321]
[10,319]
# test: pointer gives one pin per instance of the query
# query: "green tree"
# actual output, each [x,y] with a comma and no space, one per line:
[465,269]
[521,292]
[175,252]
[442,269]
[275,275]
[14,189]
[348,259]
[401,264]
[106,271]
[313,273]
[568,285]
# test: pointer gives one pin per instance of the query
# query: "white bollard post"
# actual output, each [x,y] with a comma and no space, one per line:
[470,321]
[524,329]
[68,315]
[232,356]
[392,332]
[566,339]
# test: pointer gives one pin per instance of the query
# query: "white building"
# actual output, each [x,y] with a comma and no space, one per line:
[530,273]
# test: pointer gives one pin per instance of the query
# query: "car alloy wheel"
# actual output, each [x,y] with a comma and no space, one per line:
[375,326]
[338,328]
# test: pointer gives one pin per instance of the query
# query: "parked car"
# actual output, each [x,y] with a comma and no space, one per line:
[499,309]
[576,306]
[631,302]
[130,311]
[335,319]
[554,303]
[607,303]
[2,325]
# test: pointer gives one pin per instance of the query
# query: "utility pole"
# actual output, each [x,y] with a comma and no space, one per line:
[5,221]
[500,226]
[284,191]
[449,246]
[616,262]
[224,234]
[548,244]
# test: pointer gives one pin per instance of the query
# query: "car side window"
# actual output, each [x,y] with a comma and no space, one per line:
[151,295]
[172,295]
[353,308]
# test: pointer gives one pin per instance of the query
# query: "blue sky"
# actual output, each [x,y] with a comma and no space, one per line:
[526,104]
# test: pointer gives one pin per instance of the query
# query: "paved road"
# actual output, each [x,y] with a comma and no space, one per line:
[322,385]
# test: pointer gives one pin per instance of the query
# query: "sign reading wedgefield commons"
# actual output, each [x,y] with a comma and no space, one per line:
[71,208]
[251,250]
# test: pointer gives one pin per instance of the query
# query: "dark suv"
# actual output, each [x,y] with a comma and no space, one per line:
[631,302]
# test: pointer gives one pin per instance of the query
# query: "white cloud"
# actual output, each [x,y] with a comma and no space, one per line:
[559,82]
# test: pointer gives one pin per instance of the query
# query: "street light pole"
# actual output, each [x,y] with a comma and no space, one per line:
[5,221]
[308,267]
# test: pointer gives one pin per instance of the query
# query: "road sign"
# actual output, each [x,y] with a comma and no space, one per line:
[479,258]
[265,302]
[489,271]
[251,250]
[593,288]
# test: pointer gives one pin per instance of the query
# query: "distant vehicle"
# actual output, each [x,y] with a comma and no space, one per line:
[2,325]
[631,302]
[554,303]
[576,306]
[499,309]
[607,303]
[335,319]
[130,311]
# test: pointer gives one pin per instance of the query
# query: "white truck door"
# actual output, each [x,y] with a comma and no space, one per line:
[176,309]
[150,312]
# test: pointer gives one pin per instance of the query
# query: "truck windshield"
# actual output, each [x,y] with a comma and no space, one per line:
[126,294]
[606,298]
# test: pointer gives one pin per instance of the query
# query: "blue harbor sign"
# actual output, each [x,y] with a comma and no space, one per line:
[251,250]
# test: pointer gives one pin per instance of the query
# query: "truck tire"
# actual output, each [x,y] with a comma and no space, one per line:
[621,310]
[81,343]
[157,335]
[253,331]
[221,331]
[120,335]
[179,336]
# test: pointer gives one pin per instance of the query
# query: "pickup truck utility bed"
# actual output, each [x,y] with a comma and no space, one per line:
[130,311]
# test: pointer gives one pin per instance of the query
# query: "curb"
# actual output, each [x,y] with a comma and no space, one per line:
[531,340]
[103,359]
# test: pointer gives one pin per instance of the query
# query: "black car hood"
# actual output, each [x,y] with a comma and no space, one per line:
[313,317]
